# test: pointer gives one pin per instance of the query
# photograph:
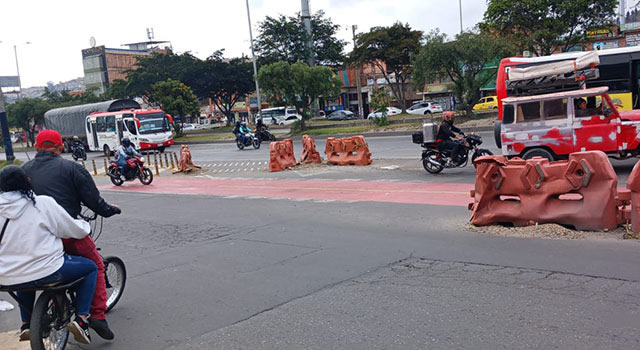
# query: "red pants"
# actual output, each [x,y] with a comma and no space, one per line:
[86,248]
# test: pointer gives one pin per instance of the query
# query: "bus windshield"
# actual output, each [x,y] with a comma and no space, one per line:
[153,123]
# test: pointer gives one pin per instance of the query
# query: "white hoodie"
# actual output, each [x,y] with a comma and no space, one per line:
[32,247]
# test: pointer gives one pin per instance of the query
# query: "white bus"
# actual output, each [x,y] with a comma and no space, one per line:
[102,125]
[146,128]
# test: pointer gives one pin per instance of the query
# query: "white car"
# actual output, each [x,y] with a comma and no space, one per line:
[289,119]
[424,108]
[390,111]
[190,126]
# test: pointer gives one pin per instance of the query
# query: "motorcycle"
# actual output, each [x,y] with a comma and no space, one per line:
[78,152]
[434,160]
[134,169]
[264,134]
[249,139]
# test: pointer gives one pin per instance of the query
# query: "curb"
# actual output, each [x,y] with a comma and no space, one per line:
[372,134]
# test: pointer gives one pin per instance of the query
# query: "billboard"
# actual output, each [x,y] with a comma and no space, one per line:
[9,81]
[631,15]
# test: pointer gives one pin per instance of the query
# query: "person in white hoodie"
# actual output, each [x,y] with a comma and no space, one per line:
[31,252]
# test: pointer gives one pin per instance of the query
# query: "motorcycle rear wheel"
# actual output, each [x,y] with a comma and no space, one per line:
[239,144]
[116,179]
[428,166]
[146,177]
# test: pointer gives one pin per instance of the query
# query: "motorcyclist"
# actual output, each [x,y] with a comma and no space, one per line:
[241,130]
[446,132]
[125,151]
[76,142]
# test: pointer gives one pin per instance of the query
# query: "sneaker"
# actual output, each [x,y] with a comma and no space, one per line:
[25,332]
[80,330]
[101,327]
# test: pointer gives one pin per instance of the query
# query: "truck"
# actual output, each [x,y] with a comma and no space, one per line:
[102,125]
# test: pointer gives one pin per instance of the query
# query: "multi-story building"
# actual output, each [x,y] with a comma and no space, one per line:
[102,65]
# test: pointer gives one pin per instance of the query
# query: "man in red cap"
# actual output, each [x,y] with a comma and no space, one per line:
[446,132]
[71,185]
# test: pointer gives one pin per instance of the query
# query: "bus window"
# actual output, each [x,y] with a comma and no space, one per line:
[131,126]
[110,122]
[101,126]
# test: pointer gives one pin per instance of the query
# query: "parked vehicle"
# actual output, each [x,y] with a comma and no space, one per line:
[135,169]
[389,112]
[489,102]
[279,115]
[250,139]
[102,125]
[341,115]
[434,160]
[424,108]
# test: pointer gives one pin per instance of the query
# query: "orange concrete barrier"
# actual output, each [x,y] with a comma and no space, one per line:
[309,154]
[348,151]
[632,195]
[580,192]
[281,155]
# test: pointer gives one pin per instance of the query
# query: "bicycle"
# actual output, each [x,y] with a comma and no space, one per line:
[54,308]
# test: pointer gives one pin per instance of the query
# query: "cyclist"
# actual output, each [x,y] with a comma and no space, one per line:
[31,251]
[71,185]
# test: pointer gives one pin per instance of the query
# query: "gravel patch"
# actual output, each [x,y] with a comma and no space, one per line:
[545,231]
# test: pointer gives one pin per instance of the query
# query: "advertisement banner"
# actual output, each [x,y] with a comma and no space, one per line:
[604,45]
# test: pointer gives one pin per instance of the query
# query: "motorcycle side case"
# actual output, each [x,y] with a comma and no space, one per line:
[429,132]
[417,137]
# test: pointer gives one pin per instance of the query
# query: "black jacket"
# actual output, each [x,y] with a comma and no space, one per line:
[67,182]
[446,131]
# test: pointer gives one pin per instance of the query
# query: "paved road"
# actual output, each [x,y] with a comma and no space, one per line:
[246,271]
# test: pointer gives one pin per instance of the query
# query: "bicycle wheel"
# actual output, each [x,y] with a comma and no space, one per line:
[115,275]
[48,325]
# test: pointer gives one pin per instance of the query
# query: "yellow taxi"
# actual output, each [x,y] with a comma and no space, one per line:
[488,102]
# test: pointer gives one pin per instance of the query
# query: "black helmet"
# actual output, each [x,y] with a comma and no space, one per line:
[125,141]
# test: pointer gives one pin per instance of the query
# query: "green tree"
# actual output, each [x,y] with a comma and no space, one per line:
[464,61]
[150,70]
[389,49]
[284,39]
[298,85]
[541,26]
[176,99]
[224,81]
[380,100]
[28,114]
[65,99]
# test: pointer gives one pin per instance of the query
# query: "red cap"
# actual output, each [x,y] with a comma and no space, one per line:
[50,136]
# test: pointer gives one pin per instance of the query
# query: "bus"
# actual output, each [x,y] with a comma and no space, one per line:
[102,125]
[619,71]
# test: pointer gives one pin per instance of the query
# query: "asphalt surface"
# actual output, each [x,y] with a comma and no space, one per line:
[246,272]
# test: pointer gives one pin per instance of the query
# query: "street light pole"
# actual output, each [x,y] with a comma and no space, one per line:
[255,68]
[15,52]
[358,82]
[460,5]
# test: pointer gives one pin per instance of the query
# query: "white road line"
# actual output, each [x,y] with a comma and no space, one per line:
[252,169]
[245,169]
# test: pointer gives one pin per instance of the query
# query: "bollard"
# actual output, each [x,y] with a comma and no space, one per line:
[106,168]
[83,165]
[166,161]
[176,157]
[109,156]
[173,165]
[95,170]
[155,161]
[160,160]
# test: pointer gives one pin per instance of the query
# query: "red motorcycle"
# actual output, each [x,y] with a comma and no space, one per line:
[134,169]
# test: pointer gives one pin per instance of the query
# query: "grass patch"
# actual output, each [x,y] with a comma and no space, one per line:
[4,163]
[208,130]
[359,129]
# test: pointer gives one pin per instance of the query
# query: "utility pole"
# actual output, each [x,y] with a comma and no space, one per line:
[358,82]
[306,20]
[255,68]
[4,125]
[460,4]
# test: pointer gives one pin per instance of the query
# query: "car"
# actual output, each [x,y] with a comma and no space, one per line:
[489,102]
[190,126]
[424,108]
[289,120]
[341,115]
[389,112]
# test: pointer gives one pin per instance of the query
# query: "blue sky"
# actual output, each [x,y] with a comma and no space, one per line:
[59,30]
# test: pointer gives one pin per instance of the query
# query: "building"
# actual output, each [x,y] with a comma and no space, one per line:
[102,65]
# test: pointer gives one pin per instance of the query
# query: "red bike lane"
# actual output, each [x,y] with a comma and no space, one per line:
[360,191]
